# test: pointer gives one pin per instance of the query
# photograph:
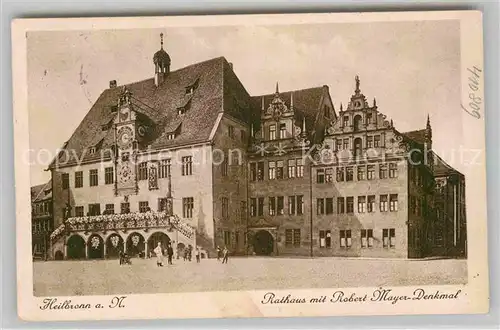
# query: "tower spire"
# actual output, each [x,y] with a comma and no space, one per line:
[161,40]
[277,88]
[357,84]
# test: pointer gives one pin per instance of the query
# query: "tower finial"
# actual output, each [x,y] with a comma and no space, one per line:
[161,40]
[374,102]
[341,107]
[428,122]
[357,83]
[291,100]
[277,88]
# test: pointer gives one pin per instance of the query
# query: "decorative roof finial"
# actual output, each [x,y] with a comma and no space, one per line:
[428,122]
[374,102]
[291,100]
[263,103]
[304,125]
[161,40]
[357,83]
[277,88]
[341,108]
[392,123]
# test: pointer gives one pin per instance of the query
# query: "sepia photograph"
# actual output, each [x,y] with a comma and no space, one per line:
[177,159]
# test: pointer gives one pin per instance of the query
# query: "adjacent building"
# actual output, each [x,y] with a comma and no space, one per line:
[41,220]
[189,158]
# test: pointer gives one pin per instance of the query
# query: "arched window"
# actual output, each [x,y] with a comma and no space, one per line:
[357,122]
[358,147]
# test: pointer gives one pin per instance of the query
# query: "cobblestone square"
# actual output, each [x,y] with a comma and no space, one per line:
[107,277]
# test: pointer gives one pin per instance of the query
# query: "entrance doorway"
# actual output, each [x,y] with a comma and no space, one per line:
[158,237]
[263,243]
[76,247]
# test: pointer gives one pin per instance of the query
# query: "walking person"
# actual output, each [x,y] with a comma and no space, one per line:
[225,255]
[197,254]
[170,253]
[219,252]
[159,255]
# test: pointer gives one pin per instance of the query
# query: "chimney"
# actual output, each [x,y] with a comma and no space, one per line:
[112,83]
[231,65]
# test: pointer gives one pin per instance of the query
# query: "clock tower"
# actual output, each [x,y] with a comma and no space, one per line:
[126,143]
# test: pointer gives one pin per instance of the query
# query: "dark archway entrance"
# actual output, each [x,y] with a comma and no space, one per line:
[59,255]
[158,237]
[135,245]
[114,245]
[263,243]
[76,247]
[95,246]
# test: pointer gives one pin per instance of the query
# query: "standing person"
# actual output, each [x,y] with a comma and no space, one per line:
[197,254]
[225,254]
[219,252]
[170,253]
[190,254]
[159,255]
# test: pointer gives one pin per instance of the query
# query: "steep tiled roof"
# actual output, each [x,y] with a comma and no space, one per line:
[161,105]
[441,168]
[306,103]
[41,192]
[417,136]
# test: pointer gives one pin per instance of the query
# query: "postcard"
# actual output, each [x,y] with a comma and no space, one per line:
[250,166]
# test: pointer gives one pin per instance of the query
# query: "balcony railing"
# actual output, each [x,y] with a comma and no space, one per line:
[123,221]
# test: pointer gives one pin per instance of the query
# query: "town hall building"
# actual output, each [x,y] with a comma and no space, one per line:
[189,158]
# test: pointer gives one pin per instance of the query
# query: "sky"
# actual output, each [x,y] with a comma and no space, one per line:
[411,68]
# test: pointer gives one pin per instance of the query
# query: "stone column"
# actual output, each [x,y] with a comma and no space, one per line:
[104,256]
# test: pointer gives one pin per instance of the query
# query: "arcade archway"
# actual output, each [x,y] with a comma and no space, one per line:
[76,247]
[156,238]
[114,245]
[263,243]
[135,245]
[95,246]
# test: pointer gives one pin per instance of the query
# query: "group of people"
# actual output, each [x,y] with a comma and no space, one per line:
[222,253]
[159,254]
[187,254]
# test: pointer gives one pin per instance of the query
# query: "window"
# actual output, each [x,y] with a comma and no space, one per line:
[291,168]
[366,238]
[368,118]
[272,205]
[320,203]
[288,237]
[300,168]
[243,211]
[280,205]
[338,144]
[346,144]
[329,175]
[361,173]
[279,169]
[272,170]
[124,208]
[296,237]
[143,206]
[340,205]
[260,206]
[346,121]
[358,147]
[389,237]
[300,204]
[376,141]
[225,208]
[291,205]
[187,207]
[187,165]
[393,170]
[345,238]
[109,175]
[260,171]
[340,174]
[243,136]
[370,172]
[162,204]
[65,180]
[272,132]
[371,203]
[329,205]
[320,175]
[383,171]
[282,131]
[93,178]
[143,171]
[349,204]
[94,209]
[227,237]
[164,169]
[349,173]
[325,239]
[253,207]
[383,203]
[230,131]
[393,202]
[361,204]
[253,171]
[369,141]
[79,211]
[109,209]
[224,166]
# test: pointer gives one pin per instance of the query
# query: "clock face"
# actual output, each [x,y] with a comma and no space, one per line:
[125,136]
[125,173]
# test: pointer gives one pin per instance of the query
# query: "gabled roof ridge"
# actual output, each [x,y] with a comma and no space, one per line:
[291,91]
